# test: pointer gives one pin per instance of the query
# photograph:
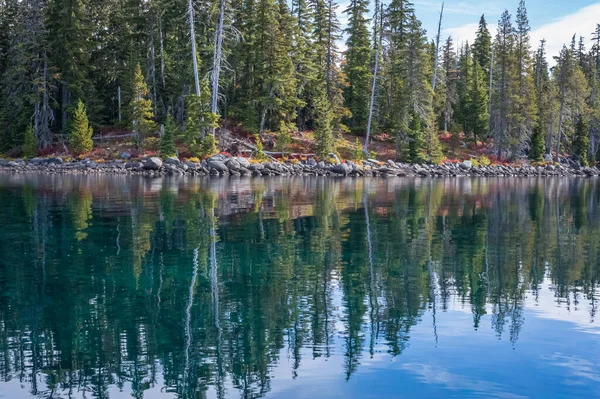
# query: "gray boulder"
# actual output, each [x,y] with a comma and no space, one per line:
[342,169]
[172,161]
[547,157]
[256,166]
[193,165]
[274,166]
[311,162]
[234,165]
[153,163]
[243,161]
[37,161]
[219,158]
[173,170]
[335,157]
[218,166]
[134,165]
[125,155]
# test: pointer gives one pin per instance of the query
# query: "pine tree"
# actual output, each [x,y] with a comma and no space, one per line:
[464,102]
[417,95]
[545,93]
[167,140]
[537,147]
[524,112]
[323,135]
[357,151]
[70,31]
[327,33]
[393,94]
[478,103]
[482,46]
[200,120]
[581,143]
[357,67]
[30,148]
[141,108]
[259,153]
[504,81]
[450,79]
[26,78]
[80,135]
[299,30]
[415,144]
[284,136]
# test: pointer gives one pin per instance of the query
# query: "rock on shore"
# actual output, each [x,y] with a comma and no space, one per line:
[222,165]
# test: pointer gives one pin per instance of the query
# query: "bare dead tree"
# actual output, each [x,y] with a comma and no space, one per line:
[437,49]
[374,85]
[194,52]
[217,57]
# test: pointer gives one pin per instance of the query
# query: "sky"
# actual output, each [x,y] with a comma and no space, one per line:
[554,20]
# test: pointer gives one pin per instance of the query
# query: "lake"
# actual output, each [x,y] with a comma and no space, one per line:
[123,286]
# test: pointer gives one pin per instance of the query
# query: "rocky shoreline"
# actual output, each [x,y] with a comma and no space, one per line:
[223,165]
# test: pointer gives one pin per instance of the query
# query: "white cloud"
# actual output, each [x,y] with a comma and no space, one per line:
[582,22]
[460,8]
[462,33]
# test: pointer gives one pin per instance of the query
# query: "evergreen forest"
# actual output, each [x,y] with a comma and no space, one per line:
[188,71]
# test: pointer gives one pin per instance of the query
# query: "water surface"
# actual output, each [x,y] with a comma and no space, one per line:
[120,287]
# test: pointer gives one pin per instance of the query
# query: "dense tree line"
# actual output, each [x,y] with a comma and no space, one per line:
[272,66]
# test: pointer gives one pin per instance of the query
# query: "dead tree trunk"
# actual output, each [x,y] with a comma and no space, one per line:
[194,52]
[218,53]
[437,49]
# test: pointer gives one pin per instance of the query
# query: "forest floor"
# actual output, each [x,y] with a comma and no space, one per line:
[111,141]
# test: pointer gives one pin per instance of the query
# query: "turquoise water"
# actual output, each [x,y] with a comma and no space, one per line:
[120,287]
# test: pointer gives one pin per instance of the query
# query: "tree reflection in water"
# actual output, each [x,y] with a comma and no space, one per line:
[97,290]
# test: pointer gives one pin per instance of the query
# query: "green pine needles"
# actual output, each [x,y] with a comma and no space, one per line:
[209,146]
[259,153]
[581,142]
[30,148]
[284,136]
[538,145]
[80,135]
[199,122]
[358,152]
[141,108]
[415,144]
[167,140]
[323,132]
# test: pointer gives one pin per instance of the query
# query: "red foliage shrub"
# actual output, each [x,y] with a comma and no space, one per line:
[383,137]
[45,152]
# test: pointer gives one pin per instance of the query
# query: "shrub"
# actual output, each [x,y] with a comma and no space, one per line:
[259,153]
[284,136]
[208,146]
[81,131]
[167,140]
[357,153]
[29,143]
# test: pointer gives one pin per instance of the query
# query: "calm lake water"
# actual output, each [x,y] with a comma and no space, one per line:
[120,287]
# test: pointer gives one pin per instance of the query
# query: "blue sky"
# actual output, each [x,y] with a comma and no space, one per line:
[554,20]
